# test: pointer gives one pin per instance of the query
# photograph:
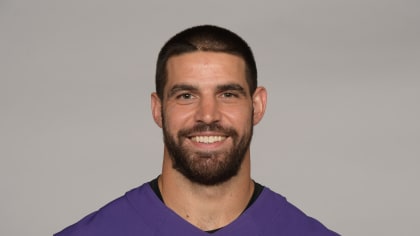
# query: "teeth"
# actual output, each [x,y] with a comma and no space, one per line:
[207,139]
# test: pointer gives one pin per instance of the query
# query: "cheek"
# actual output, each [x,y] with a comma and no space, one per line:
[238,117]
[177,118]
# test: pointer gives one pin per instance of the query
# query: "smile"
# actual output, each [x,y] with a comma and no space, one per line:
[208,139]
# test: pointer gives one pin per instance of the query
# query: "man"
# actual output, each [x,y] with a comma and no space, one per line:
[207,101]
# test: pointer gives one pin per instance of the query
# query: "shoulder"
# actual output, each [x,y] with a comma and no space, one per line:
[123,214]
[276,215]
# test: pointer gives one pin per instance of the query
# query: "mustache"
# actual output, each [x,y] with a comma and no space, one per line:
[204,127]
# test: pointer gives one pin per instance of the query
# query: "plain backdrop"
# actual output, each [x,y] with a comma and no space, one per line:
[340,139]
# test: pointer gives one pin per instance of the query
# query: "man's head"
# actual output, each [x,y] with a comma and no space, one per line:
[208,103]
[206,38]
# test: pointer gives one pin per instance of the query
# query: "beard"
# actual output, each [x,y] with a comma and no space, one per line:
[207,168]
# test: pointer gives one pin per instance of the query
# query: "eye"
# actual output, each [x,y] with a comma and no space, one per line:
[229,95]
[184,96]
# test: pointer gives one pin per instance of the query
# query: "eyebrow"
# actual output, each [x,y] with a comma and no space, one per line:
[231,87]
[181,87]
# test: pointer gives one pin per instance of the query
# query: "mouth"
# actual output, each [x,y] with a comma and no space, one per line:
[207,139]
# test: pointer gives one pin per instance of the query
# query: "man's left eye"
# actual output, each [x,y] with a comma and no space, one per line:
[229,95]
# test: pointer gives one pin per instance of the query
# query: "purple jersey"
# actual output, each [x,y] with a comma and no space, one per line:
[141,212]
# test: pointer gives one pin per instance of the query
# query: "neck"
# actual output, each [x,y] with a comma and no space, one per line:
[223,202]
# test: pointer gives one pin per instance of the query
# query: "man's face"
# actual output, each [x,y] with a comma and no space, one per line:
[207,115]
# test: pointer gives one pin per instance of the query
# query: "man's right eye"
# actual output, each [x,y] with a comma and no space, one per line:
[184,96]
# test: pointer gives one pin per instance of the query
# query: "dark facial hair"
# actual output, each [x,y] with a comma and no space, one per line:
[207,168]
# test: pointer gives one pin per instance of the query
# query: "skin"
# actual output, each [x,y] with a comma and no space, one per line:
[207,87]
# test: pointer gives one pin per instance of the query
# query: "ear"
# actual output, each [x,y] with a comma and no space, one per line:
[259,101]
[156,104]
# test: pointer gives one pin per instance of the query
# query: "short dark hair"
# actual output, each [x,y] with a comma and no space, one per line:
[205,38]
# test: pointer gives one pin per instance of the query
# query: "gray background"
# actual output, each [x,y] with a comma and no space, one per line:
[340,138]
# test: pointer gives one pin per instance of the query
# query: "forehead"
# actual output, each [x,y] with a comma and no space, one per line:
[206,68]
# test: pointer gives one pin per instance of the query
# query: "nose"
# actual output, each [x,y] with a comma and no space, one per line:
[208,110]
